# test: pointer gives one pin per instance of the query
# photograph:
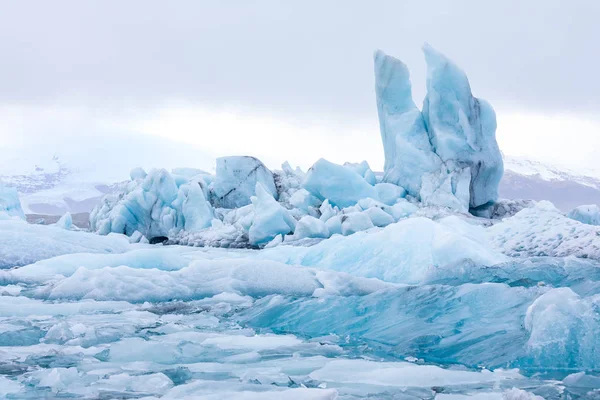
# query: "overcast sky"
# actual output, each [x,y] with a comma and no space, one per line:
[291,79]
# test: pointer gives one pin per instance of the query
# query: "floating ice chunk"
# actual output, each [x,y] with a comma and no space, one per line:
[334,225]
[311,227]
[410,251]
[352,209]
[151,206]
[403,374]
[162,184]
[302,199]
[511,394]
[202,279]
[363,169]
[57,379]
[562,330]
[370,177]
[9,202]
[360,168]
[26,307]
[168,259]
[155,206]
[340,185]
[518,394]
[389,193]
[65,222]
[256,342]
[275,393]
[277,240]
[241,217]
[367,203]
[356,222]
[136,237]
[582,380]
[589,214]
[402,209]
[148,383]
[288,182]
[138,173]
[379,217]
[462,128]
[327,211]
[22,243]
[236,180]
[197,211]
[197,281]
[270,218]
[9,387]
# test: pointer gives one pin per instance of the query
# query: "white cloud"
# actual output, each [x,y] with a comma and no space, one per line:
[193,135]
[559,139]
[270,138]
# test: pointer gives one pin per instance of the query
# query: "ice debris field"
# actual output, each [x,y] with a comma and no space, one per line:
[334,283]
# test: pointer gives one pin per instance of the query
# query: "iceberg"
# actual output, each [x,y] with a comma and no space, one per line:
[65,222]
[146,205]
[137,173]
[413,251]
[342,186]
[447,154]
[462,128]
[311,227]
[363,169]
[270,218]
[154,205]
[356,222]
[303,200]
[589,214]
[197,211]
[560,323]
[236,179]
[9,202]
[389,193]
[379,217]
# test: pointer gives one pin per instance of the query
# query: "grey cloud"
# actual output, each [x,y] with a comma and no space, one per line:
[299,58]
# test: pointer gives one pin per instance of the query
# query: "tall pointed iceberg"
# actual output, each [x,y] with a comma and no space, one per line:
[462,128]
[447,154]
[408,152]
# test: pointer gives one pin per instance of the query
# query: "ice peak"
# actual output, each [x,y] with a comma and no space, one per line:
[431,152]
[392,82]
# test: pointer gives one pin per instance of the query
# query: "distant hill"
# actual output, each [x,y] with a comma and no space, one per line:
[53,178]
[525,179]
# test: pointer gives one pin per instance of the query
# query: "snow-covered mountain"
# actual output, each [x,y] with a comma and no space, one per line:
[566,188]
[53,188]
[55,177]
